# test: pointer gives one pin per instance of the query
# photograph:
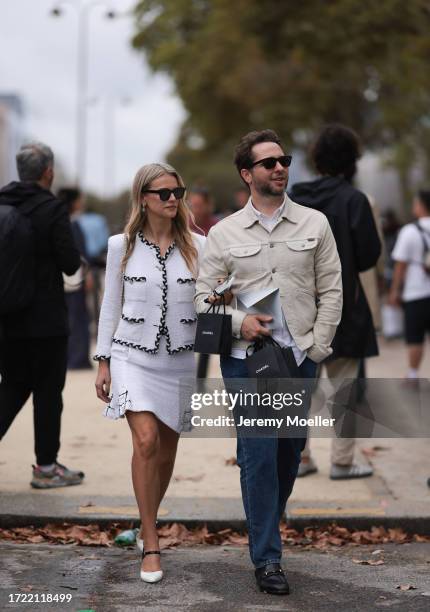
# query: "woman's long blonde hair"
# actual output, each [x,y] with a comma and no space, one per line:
[181,223]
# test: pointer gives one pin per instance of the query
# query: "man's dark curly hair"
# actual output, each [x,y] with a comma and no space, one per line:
[243,153]
[424,196]
[336,151]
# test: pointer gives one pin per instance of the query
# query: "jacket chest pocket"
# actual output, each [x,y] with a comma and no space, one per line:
[300,253]
[185,288]
[135,288]
[246,260]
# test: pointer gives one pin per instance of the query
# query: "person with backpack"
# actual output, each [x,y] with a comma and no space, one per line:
[36,247]
[411,281]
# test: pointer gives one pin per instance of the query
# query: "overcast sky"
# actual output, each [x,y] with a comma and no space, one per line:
[38,62]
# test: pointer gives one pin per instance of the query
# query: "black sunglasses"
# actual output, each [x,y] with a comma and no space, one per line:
[164,194]
[270,162]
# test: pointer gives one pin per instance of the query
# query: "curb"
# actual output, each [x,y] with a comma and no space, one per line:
[410,524]
[39,509]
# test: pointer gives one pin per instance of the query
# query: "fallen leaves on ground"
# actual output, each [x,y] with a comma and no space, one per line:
[176,534]
[406,587]
[369,561]
[86,535]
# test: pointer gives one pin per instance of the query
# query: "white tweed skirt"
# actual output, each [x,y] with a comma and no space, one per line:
[159,383]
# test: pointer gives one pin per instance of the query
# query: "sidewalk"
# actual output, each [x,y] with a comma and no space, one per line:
[213,579]
[205,486]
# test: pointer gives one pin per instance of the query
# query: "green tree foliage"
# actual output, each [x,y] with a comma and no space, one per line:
[242,64]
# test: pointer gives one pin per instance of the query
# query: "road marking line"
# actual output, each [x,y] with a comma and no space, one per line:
[337,511]
[127,510]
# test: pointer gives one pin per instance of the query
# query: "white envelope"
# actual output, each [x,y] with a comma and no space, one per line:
[263,301]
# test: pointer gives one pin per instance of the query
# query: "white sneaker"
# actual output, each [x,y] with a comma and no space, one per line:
[151,576]
[306,468]
[346,472]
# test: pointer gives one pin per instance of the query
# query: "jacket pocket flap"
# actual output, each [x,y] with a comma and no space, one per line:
[133,313]
[245,251]
[302,245]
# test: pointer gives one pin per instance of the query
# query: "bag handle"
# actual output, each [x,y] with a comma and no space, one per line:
[261,342]
[423,234]
[212,306]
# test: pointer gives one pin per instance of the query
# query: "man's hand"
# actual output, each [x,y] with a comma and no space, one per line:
[252,327]
[103,381]
[216,299]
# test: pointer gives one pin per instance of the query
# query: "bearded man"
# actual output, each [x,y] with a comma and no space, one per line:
[272,242]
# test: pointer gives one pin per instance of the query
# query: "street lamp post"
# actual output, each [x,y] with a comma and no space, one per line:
[83,11]
[111,105]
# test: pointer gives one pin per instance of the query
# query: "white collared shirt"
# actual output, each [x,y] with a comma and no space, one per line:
[283,337]
[268,222]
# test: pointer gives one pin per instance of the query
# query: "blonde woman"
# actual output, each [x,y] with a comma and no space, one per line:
[145,338]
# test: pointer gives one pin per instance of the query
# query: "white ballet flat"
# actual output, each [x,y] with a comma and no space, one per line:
[151,576]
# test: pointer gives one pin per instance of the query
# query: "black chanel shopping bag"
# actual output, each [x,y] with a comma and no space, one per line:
[268,367]
[214,331]
[269,360]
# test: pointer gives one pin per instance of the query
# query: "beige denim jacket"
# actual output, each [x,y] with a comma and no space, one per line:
[299,257]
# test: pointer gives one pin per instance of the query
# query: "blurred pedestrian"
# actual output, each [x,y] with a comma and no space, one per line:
[411,281]
[202,209]
[372,280]
[34,346]
[241,197]
[96,233]
[146,338]
[335,154]
[392,316]
[201,206]
[76,296]
[390,228]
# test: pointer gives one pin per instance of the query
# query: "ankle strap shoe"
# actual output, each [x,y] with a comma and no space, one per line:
[151,576]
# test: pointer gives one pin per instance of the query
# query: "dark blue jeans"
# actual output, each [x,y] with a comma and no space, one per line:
[268,469]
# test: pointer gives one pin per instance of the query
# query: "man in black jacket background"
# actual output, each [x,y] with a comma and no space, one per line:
[33,346]
[335,154]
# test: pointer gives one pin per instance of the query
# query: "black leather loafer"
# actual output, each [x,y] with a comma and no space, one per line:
[271,579]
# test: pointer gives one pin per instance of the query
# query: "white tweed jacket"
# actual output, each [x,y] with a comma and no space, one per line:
[152,297]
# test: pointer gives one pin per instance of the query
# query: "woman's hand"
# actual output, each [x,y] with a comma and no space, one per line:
[103,381]
[216,299]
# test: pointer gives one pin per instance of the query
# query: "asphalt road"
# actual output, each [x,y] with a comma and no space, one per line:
[214,579]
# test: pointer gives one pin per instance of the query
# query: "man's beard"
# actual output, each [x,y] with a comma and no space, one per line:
[267,189]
